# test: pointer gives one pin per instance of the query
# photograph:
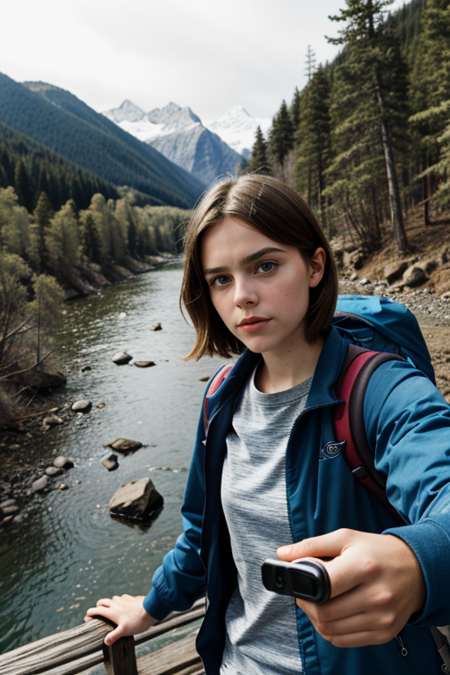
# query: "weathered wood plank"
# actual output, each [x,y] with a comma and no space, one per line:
[174,658]
[55,650]
[78,666]
[120,658]
[77,649]
[193,670]
[175,620]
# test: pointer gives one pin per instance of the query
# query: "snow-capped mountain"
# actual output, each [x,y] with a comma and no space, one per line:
[238,129]
[205,150]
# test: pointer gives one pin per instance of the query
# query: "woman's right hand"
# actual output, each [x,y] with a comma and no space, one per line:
[127,611]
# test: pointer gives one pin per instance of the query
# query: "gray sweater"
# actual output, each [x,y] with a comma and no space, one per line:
[261,625]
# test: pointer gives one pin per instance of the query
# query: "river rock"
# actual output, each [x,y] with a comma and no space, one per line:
[135,500]
[83,406]
[52,421]
[63,486]
[121,358]
[125,445]
[157,326]
[10,510]
[395,271]
[7,503]
[365,282]
[62,462]
[53,471]
[144,364]
[110,461]
[414,276]
[86,369]
[40,484]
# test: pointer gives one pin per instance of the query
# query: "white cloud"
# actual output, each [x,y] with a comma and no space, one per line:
[207,54]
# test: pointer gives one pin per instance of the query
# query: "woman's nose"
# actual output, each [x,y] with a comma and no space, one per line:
[245,293]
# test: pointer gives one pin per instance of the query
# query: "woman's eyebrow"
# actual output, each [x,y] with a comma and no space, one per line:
[246,260]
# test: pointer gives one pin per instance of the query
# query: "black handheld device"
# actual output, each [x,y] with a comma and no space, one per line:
[305,578]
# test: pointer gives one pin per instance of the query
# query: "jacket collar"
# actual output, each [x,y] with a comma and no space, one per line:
[322,390]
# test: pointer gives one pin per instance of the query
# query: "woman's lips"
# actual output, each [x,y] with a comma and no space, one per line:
[254,325]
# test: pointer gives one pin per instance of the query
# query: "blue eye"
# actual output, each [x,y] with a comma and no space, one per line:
[266,267]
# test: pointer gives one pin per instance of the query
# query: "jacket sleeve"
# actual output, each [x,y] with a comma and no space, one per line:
[181,578]
[408,425]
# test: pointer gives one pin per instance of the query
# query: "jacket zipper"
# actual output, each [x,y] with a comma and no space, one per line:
[403,650]
[316,407]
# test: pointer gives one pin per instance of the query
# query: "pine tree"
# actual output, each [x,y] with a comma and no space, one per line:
[90,238]
[310,64]
[372,54]
[312,141]
[22,186]
[430,92]
[295,109]
[43,213]
[258,161]
[281,140]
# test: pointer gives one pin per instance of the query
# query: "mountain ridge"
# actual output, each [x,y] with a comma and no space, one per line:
[62,122]
[206,150]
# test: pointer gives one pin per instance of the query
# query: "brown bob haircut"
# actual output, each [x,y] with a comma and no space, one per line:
[277,211]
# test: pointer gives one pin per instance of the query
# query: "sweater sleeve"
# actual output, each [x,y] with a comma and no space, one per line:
[408,424]
[180,580]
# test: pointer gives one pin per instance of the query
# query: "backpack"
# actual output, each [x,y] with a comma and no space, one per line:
[377,330]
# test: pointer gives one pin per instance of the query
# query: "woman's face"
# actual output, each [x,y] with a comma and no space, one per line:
[259,287]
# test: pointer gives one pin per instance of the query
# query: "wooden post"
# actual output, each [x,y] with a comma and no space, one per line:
[120,658]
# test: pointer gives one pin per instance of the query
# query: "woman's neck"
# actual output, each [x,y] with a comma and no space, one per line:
[281,371]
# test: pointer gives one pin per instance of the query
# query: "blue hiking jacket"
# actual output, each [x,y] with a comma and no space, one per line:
[408,423]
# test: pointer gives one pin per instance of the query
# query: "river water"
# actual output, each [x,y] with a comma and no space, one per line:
[67,551]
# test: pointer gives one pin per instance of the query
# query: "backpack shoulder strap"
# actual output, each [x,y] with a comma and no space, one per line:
[214,385]
[348,418]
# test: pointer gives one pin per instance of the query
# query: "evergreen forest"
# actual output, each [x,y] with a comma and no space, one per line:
[58,120]
[49,255]
[368,138]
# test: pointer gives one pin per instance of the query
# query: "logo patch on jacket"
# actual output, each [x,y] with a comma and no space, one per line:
[332,450]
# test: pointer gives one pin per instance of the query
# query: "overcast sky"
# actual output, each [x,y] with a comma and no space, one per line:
[207,54]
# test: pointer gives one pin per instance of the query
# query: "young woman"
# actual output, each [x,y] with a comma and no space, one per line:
[260,281]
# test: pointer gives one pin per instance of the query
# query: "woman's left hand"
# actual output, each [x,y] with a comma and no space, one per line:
[376,585]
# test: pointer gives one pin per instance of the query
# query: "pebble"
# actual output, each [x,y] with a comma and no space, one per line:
[83,406]
[53,471]
[62,462]
[121,358]
[40,484]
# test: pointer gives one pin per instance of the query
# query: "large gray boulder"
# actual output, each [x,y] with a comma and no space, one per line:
[395,271]
[414,276]
[136,500]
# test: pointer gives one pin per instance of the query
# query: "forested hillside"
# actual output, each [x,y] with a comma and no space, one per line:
[368,137]
[31,168]
[63,123]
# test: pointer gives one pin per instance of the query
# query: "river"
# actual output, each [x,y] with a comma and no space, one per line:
[67,551]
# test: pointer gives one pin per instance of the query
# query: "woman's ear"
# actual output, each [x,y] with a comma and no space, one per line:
[317,267]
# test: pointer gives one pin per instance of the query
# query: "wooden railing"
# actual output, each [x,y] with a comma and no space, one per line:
[78,649]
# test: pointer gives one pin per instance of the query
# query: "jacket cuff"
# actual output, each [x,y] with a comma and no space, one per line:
[429,540]
[153,606]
